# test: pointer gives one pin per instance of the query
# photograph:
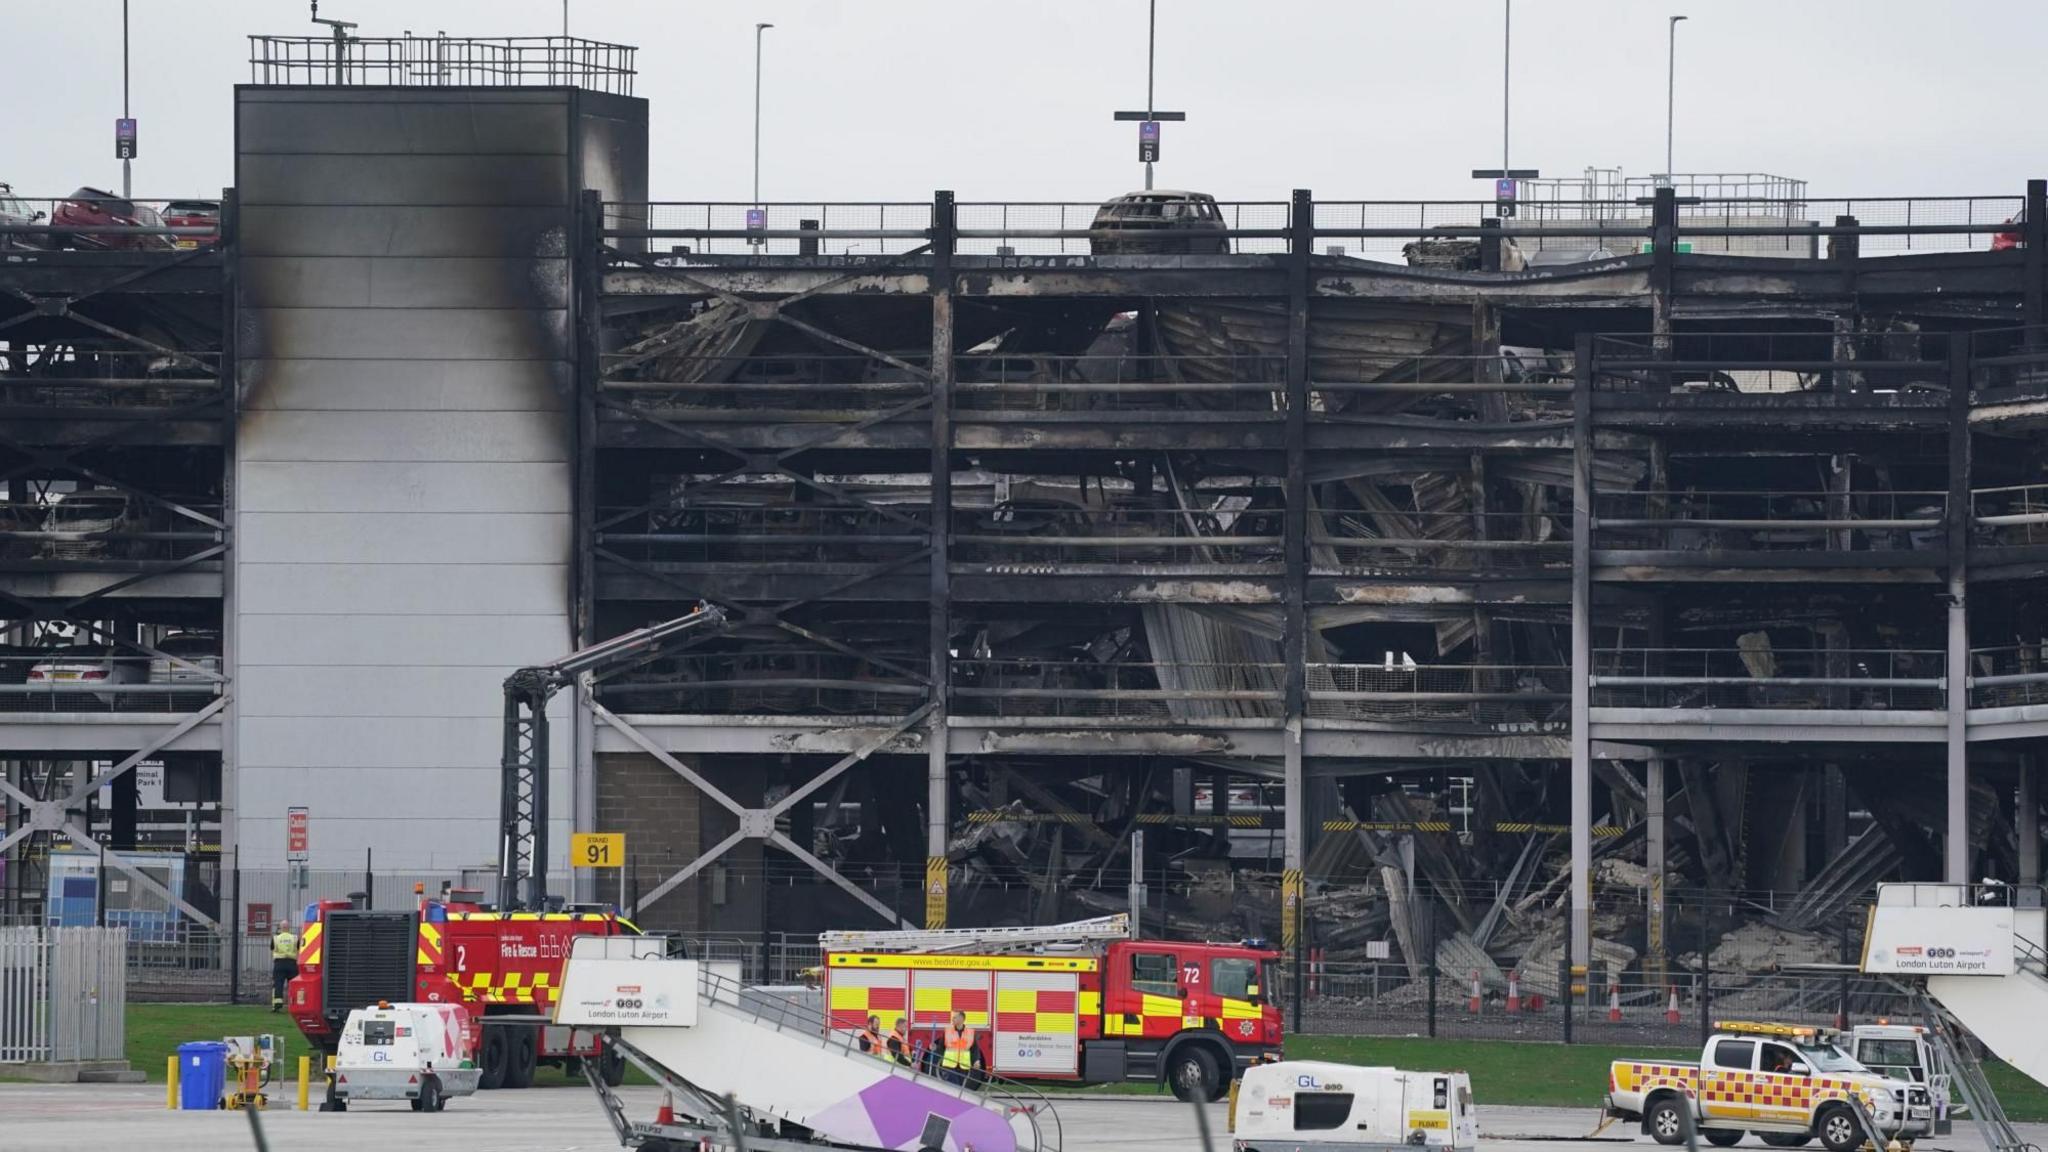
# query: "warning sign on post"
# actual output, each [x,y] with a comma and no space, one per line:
[297,834]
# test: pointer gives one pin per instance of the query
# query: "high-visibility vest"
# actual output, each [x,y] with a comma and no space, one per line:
[900,1044]
[284,945]
[959,1049]
[871,1042]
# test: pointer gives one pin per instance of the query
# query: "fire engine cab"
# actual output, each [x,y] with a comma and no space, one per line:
[1079,1002]
[501,968]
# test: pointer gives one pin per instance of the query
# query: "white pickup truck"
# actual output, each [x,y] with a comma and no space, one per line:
[1787,1084]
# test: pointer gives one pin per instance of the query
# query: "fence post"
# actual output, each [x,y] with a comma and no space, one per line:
[1430,973]
[1842,1000]
[1564,992]
[1706,996]
[235,927]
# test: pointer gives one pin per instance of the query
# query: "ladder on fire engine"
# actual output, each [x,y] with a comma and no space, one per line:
[1953,1052]
[1078,932]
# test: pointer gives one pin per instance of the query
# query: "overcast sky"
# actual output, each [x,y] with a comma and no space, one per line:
[1011,99]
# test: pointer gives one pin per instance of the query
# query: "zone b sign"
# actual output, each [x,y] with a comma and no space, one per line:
[1148,141]
[124,139]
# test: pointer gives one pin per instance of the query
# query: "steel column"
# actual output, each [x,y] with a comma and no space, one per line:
[230,246]
[938,814]
[2036,235]
[1294,627]
[588,269]
[1582,652]
[1956,843]
[2027,824]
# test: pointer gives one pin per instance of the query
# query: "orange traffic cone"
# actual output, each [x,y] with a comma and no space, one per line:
[666,1114]
[1671,1007]
[1473,1004]
[1614,1001]
[1514,992]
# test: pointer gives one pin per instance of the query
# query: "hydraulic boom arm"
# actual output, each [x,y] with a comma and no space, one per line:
[523,792]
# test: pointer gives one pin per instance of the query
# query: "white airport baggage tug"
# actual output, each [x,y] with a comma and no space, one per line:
[420,1053]
[1310,1106]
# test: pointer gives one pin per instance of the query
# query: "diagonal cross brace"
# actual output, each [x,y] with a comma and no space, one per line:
[759,823]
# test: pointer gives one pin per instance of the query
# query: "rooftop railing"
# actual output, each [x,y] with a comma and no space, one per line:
[443,62]
[1380,230]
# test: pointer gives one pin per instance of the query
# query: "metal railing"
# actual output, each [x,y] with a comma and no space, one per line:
[1051,688]
[1354,540]
[443,61]
[2014,515]
[708,533]
[1867,679]
[2008,363]
[92,222]
[1896,368]
[2008,677]
[793,683]
[89,680]
[1701,521]
[105,526]
[65,381]
[1037,534]
[1495,697]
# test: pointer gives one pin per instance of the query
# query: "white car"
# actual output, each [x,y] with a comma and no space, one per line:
[82,667]
[16,213]
[199,650]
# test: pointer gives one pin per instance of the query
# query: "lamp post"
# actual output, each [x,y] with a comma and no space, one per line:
[1148,119]
[758,29]
[1507,44]
[1670,96]
[127,189]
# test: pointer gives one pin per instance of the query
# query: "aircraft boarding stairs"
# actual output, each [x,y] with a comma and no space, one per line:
[739,1060]
[1974,958]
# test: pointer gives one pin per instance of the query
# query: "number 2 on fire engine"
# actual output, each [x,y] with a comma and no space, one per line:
[462,957]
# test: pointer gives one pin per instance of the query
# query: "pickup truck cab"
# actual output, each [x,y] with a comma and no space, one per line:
[1787,1084]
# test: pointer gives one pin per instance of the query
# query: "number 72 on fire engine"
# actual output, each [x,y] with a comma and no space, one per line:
[597,849]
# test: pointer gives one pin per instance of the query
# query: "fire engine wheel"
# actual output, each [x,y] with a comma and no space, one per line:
[1666,1121]
[524,1052]
[495,1055]
[1723,1137]
[1787,1139]
[1193,1075]
[1838,1129]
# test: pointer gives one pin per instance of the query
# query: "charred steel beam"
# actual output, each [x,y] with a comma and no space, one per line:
[1956,849]
[938,780]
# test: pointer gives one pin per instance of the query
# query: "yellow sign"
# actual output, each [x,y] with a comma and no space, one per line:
[597,850]
[935,874]
[1429,1120]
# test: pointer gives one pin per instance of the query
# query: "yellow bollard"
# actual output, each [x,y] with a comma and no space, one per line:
[171,1082]
[305,1079]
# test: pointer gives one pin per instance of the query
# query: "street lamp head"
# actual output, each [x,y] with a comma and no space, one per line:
[765,27]
[1676,19]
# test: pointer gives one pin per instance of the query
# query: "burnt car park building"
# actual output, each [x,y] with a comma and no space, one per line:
[1307,537]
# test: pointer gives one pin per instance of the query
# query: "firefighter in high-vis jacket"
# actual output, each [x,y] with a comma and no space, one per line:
[958,1061]
[284,962]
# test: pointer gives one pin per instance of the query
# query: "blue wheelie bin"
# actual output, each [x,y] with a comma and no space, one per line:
[202,1075]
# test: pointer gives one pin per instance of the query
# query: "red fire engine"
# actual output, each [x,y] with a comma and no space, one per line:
[502,967]
[1079,1002]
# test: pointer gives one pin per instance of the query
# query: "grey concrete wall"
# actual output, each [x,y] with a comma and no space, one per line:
[404,458]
